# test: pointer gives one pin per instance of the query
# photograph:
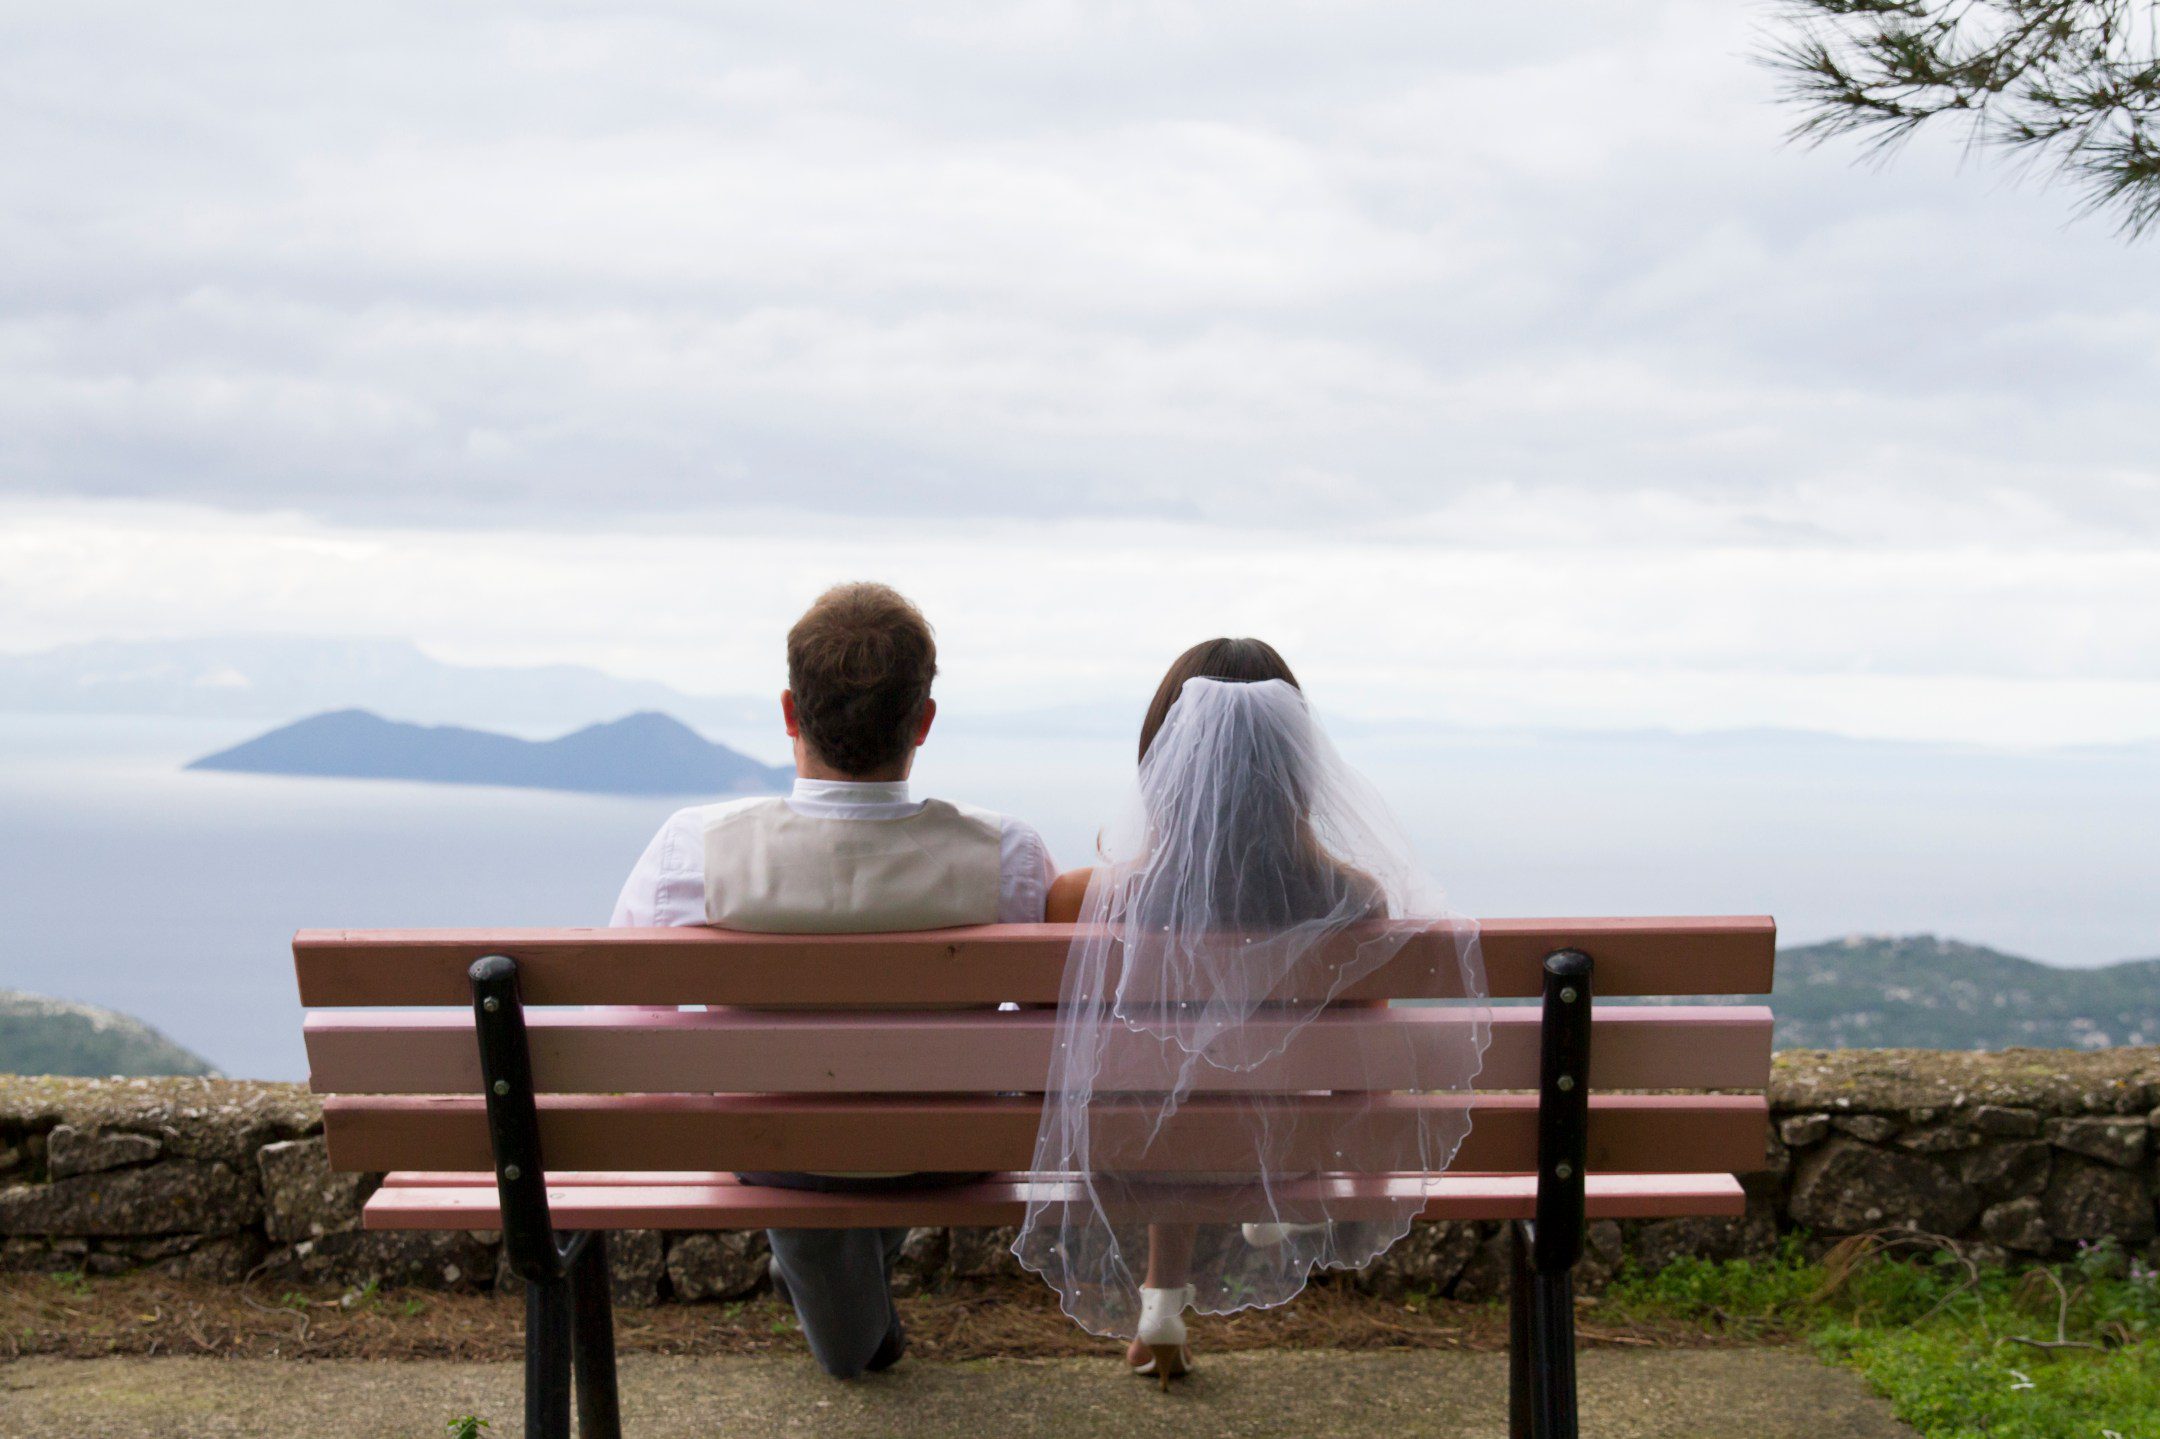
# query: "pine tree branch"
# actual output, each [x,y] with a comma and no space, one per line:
[2071,84]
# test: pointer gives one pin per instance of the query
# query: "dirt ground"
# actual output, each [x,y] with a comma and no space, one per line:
[1626,1394]
[151,1316]
[141,1357]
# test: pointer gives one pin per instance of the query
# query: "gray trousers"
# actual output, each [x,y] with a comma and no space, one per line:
[840,1280]
[841,1283]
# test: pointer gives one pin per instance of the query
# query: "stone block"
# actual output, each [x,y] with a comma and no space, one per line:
[1802,1130]
[1485,1276]
[224,1259]
[983,1253]
[636,1262]
[1657,1243]
[2007,1170]
[303,1197]
[2017,1224]
[1938,1139]
[1873,1128]
[70,1151]
[921,1265]
[1604,1250]
[1846,1187]
[176,1196]
[2121,1142]
[2006,1121]
[34,1256]
[720,1266]
[117,1256]
[393,1259]
[2088,1200]
[1426,1260]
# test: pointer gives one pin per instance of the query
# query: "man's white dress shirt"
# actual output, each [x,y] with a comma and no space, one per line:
[667,887]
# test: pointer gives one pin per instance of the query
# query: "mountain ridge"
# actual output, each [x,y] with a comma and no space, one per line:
[43,1035]
[1921,991]
[647,753]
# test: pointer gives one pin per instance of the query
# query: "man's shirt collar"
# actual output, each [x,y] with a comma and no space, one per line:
[849,798]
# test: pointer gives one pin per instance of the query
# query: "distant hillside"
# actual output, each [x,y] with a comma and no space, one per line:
[1917,991]
[55,1036]
[641,754]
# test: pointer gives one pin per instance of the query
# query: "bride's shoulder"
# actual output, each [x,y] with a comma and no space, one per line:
[1068,893]
[1363,892]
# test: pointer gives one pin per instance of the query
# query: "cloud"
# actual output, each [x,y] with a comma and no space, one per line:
[1611,626]
[1321,268]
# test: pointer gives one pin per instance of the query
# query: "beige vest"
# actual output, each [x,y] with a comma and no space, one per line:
[770,870]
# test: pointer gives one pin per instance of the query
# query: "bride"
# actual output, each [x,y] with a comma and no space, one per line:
[1199,1083]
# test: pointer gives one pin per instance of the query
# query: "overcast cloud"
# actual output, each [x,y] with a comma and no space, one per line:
[1422,303]
[1275,262]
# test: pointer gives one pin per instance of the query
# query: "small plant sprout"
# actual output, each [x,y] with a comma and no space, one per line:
[467,1426]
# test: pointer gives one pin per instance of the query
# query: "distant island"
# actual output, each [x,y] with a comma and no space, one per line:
[58,1036]
[648,753]
[1921,992]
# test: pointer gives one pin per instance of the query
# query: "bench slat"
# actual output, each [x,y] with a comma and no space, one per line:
[597,1052]
[716,1201]
[985,965]
[1666,1134]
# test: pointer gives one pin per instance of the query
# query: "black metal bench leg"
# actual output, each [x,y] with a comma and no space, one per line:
[1555,1241]
[1519,1404]
[599,1412]
[558,1278]
[547,1359]
[1552,1355]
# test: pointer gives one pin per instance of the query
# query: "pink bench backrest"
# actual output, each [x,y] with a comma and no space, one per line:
[833,1070]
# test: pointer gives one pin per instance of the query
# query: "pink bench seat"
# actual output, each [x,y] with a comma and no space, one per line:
[681,1200]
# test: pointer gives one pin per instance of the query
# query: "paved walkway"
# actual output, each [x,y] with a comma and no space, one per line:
[1699,1394]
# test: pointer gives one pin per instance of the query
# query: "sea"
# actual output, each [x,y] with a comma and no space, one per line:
[130,882]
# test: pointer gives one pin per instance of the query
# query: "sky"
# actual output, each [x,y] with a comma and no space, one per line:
[1505,365]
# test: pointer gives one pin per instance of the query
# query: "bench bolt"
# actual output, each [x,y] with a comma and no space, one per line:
[491,1004]
[502,1086]
[1564,1083]
[1563,1169]
[511,1171]
[1567,995]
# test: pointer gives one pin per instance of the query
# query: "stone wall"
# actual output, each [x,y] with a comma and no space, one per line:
[2020,1155]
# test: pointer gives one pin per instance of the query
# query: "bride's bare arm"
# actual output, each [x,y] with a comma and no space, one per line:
[1067,892]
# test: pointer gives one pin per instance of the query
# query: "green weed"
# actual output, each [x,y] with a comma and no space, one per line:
[2066,1352]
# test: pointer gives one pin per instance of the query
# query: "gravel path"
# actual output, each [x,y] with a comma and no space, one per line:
[1700,1394]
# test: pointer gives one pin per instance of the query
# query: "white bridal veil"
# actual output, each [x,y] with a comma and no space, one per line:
[1207,1071]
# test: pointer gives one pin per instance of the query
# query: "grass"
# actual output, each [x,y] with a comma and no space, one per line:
[2071,1352]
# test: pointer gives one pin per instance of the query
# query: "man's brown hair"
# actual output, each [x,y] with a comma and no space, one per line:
[860,662]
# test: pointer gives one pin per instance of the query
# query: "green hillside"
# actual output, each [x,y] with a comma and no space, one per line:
[1917,991]
[54,1036]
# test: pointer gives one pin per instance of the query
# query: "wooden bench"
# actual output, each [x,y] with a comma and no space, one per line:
[503,1106]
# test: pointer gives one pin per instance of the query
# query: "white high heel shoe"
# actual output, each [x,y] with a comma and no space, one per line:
[1162,1330]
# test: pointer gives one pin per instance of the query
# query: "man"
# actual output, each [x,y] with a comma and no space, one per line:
[849,850]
